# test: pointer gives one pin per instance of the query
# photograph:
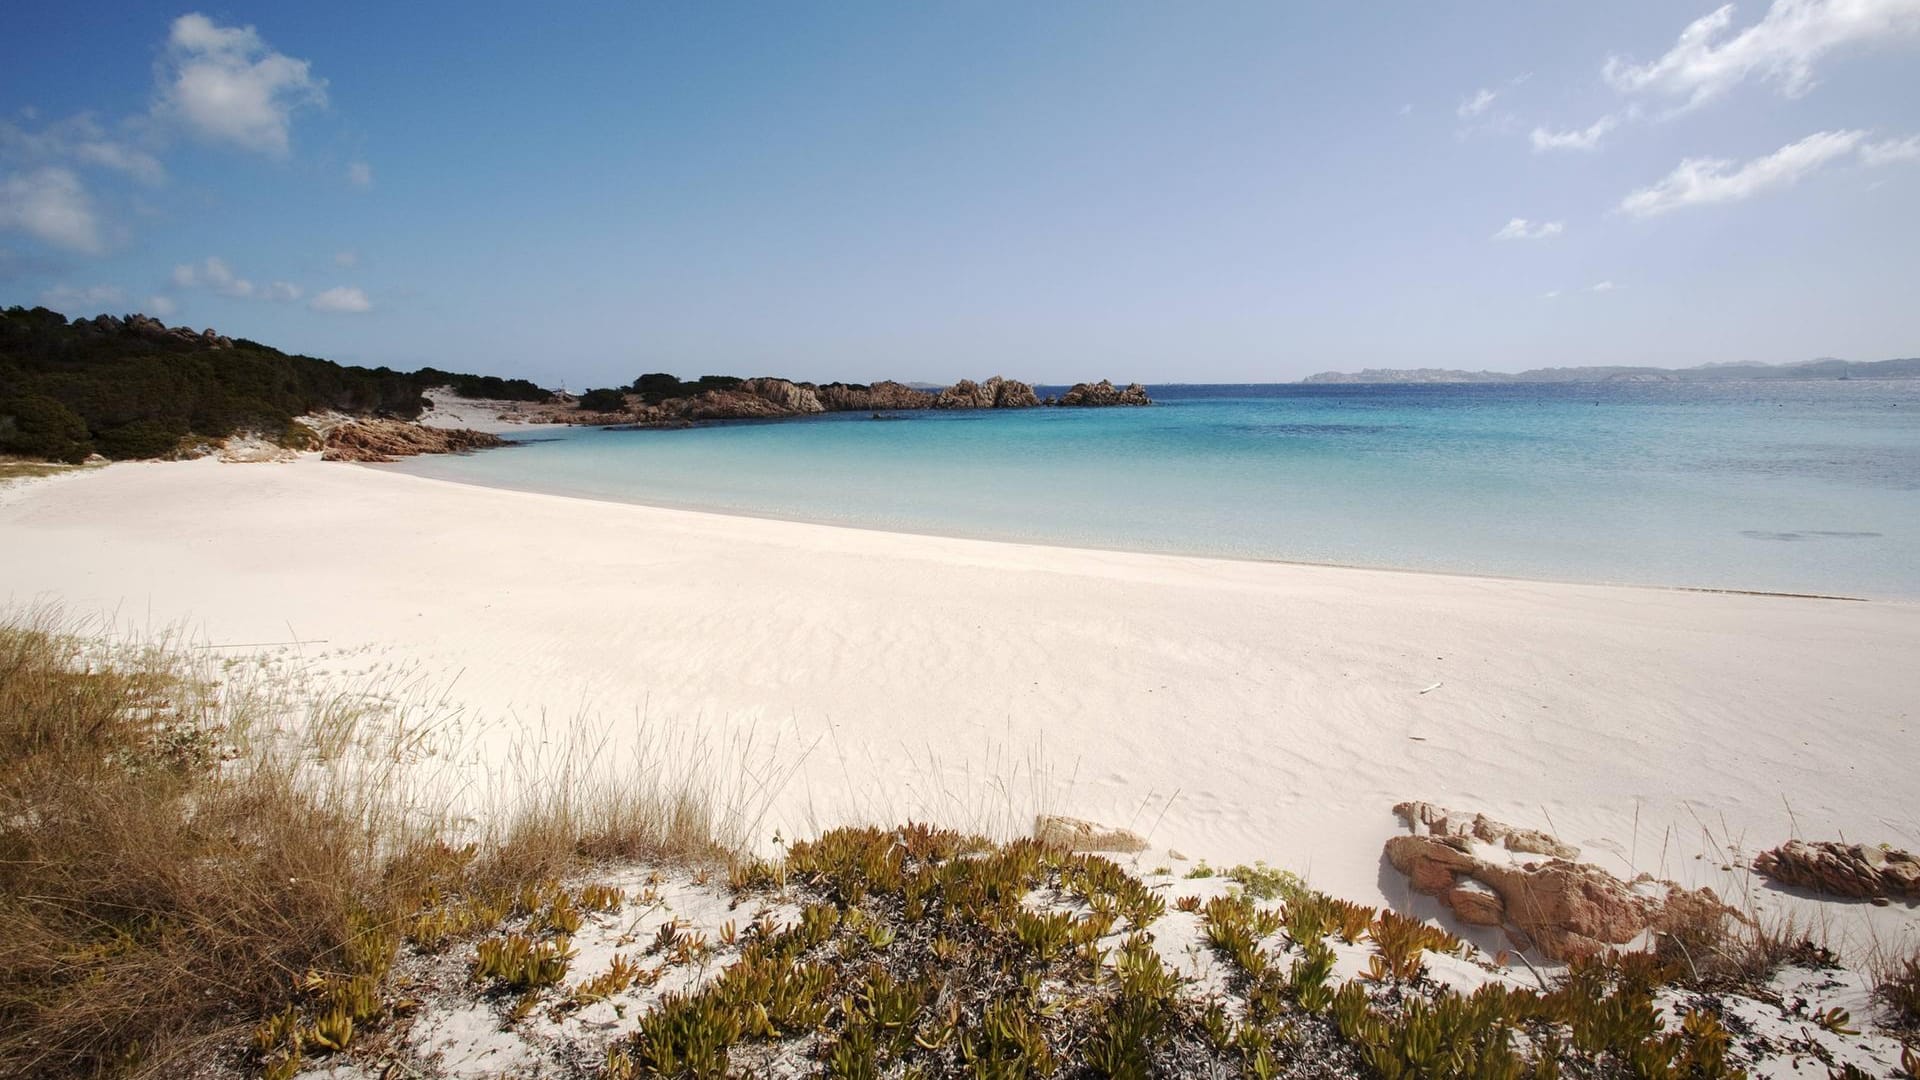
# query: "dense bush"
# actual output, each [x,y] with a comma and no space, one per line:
[604,400]
[137,388]
[658,386]
[490,387]
[40,427]
[141,439]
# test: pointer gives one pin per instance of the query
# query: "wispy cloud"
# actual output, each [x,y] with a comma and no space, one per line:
[161,307]
[1521,229]
[51,205]
[1587,138]
[79,140]
[224,84]
[1478,103]
[1602,286]
[92,298]
[347,259]
[1782,47]
[214,273]
[343,299]
[1890,151]
[1704,181]
[360,174]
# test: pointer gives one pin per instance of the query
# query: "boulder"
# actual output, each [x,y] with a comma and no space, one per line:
[1424,818]
[1857,871]
[1476,904]
[995,393]
[881,396]
[1104,393]
[790,397]
[387,440]
[1075,834]
[1566,909]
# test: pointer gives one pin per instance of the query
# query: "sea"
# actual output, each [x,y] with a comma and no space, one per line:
[1778,486]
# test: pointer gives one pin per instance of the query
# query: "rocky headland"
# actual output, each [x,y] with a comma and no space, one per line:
[773,398]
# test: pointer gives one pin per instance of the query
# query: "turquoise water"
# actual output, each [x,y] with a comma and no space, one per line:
[1798,487]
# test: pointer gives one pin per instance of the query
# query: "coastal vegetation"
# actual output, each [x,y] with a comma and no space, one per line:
[209,863]
[134,388]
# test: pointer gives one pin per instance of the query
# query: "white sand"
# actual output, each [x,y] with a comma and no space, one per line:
[926,676]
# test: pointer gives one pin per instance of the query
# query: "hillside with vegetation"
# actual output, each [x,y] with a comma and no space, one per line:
[133,387]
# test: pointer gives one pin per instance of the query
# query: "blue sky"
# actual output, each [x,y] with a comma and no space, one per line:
[1059,191]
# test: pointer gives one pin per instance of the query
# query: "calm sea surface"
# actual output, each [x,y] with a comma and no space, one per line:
[1800,487]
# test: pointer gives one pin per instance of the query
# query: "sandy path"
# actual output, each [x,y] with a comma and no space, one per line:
[926,676]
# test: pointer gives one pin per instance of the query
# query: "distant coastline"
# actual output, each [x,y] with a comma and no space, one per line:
[1825,368]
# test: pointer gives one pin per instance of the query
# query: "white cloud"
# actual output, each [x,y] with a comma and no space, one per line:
[161,307]
[1407,109]
[1587,138]
[347,259]
[51,205]
[342,299]
[1550,294]
[360,174]
[1890,151]
[1603,286]
[214,273]
[1478,103]
[1521,229]
[224,84]
[1702,181]
[81,140]
[221,279]
[71,301]
[1783,47]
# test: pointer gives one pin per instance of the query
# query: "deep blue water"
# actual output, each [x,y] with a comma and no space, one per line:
[1791,486]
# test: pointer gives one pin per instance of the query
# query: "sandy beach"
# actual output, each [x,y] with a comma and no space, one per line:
[1229,710]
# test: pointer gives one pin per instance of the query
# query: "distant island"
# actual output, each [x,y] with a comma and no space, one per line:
[1824,368]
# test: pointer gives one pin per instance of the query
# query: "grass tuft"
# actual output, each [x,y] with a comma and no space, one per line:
[196,856]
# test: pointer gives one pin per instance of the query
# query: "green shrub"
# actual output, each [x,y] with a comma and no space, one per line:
[136,392]
[142,439]
[604,400]
[40,427]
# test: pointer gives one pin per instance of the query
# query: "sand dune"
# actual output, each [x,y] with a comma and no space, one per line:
[1234,710]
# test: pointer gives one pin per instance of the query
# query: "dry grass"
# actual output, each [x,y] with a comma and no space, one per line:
[183,842]
[12,468]
[1719,951]
[1897,986]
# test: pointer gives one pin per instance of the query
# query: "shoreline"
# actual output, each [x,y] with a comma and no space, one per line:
[1233,709]
[401,467]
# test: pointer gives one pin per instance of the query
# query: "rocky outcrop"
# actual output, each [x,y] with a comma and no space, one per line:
[790,397]
[1565,909]
[1075,834]
[881,396]
[1104,393]
[143,326]
[1859,871]
[769,398]
[387,440]
[995,393]
[1428,819]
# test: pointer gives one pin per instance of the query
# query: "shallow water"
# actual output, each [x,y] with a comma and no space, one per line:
[1788,486]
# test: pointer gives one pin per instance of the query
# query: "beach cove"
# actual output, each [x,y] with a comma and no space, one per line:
[1232,710]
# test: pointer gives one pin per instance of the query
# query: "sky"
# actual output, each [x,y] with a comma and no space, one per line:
[1209,192]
